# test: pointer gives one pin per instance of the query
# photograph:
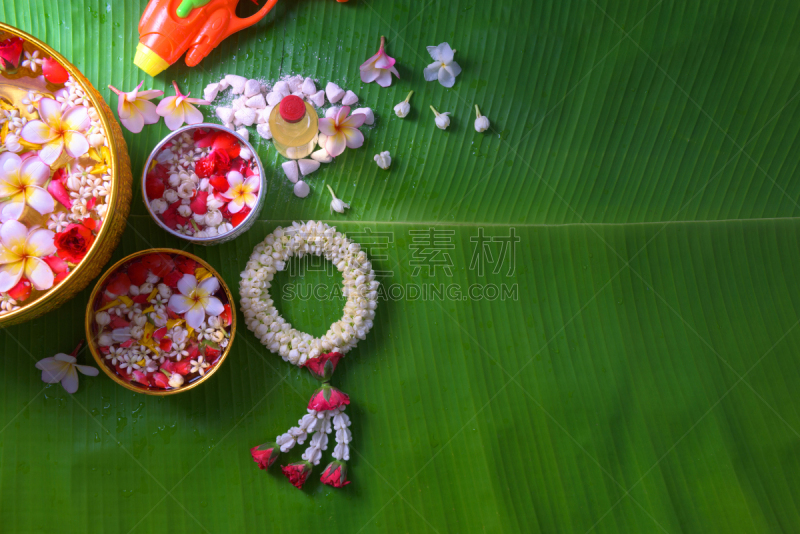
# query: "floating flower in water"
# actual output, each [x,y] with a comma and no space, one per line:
[342,131]
[402,109]
[10,53]
[443,67]
[63,368]
[21,181]
[22,252]
[195,299]
[58,131]
[242,192]
[481,122]
[337,204]
[74,242]
[32,60]
[179,109]
[379,68]
[442,119]
[135,109]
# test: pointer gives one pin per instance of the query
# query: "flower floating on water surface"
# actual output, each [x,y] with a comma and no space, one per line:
[443,67]
[22,181]
[135,109]
[10,53]
[195,299]
[342,131]
[179,109]
[379,68]
[62,368]
[58,131]
[242,192]
[23,252]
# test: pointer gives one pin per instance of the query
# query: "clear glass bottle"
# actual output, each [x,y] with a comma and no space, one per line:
[295,126]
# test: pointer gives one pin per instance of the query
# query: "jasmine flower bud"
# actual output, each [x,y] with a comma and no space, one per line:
[384,159]
[481,122]
[176,380]
[442,119]
[402,109]
[337,204]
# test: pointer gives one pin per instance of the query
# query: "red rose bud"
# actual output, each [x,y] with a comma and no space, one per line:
[327,398]
[159,380]
[238,165]
[297,473]
[335,474]
[59,192]
[11,52]
[21,291]
[226,316]
[323,365]
[74,242]
[53,71]
[198,205]
[265,454]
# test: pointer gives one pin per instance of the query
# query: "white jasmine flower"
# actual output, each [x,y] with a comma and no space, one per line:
[442,119]
[199,365]
[402,109]
[443,67]
[337,204]
[158,206]
[175,380]
[481,122]
[102,318]
[213,218]
[384,159]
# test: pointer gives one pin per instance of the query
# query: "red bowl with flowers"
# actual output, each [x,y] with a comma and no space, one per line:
[204,183]
[160,321]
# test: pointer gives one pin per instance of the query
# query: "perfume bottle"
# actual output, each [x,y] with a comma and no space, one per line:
[294,126]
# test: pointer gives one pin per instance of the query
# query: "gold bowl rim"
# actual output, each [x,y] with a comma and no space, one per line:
[116,181]
[98,358]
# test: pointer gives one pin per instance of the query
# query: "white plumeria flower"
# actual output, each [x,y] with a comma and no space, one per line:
[337,204]
[242,192]
[442,119]
[196,300]
[402,109]
[22,183]
[179,109]
[199,365]
[21,252]
[58,131]
[443,67]
[384,159]
[62,368]
[481,122]
[135,109]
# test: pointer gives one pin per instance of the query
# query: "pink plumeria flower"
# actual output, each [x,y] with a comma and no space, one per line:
[443,67]
[21,252]
[179,109]
[196,300]
[379,68]
[342,131]
[242,192]
[22,181]
[135,109]
[63,368]
[58,131]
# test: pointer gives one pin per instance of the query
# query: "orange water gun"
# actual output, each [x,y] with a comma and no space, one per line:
[169,28]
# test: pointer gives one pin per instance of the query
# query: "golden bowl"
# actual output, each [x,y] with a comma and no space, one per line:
[91,333]
[119,199]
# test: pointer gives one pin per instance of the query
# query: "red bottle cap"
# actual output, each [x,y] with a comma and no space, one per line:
[292,108]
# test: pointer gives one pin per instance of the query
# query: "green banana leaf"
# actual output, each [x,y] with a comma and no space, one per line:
[625,364]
